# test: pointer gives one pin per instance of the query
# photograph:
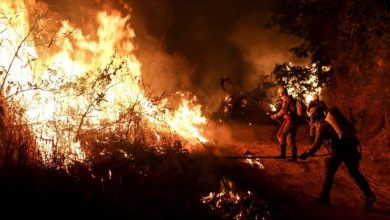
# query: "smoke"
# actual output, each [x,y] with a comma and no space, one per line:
[190,45]
[262,47]
[196,43]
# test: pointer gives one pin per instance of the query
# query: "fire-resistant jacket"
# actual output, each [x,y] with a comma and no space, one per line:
[325,132]
[288,108]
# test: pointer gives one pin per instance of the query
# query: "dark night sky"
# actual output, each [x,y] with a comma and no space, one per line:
[192,44]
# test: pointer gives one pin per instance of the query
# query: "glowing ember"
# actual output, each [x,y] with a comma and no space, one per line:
[236,205]
[255,162]
[75,82]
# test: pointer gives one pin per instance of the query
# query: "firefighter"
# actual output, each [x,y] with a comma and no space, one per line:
[288,130]
[321,106]
[342,150]
[316,102]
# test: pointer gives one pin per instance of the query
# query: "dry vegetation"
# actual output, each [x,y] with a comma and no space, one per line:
[127,174]
[120,179]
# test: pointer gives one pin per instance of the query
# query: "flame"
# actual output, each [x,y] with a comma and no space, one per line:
[233,204]
[63,78]
[185,115]
[255,162]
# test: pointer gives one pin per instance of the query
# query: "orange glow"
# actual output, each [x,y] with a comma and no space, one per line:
[294,90]
[83,81]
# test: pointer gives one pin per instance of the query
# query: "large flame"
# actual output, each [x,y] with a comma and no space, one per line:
[74,81]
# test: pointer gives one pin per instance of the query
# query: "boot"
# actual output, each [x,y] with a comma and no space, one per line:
[294,154]
[282,152]
[369,199]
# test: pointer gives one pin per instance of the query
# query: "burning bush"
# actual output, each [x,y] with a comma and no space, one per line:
[17,145]
[68,83]
[119,179]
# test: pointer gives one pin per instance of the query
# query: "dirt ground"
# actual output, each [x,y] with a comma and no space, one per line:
[299,183]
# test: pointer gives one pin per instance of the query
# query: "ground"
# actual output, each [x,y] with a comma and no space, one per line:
[293,186]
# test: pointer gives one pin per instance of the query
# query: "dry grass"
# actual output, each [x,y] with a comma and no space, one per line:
[17,145]
[119,179]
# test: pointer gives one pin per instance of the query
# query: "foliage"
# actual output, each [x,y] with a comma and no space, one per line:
[122,180]
[249,105]
[355,42]
[355,33]
[302,80]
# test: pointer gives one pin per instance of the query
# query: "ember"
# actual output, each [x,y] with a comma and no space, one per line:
[232,204]
[255,162]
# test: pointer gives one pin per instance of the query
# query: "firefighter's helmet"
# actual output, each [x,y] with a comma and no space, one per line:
[282,91]
[315,114]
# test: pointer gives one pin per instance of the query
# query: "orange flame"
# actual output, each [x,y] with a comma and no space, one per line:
[66,78]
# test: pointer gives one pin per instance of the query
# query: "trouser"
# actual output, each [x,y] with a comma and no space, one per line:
[286,136]
[312,131]
[351,160]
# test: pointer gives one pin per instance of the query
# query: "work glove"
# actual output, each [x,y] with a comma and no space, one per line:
[304,156]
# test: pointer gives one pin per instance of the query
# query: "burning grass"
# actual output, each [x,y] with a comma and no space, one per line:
[81,136]
[236,205]
[125,180]
[68,82]
[17,144]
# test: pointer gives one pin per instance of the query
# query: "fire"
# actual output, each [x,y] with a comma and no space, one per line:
[77,81]
[255,162]
[191,115]
[234,204]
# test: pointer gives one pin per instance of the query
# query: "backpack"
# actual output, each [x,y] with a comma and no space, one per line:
[301,108]
[343,127]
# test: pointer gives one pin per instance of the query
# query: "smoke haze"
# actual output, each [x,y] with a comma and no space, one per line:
[191,45]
